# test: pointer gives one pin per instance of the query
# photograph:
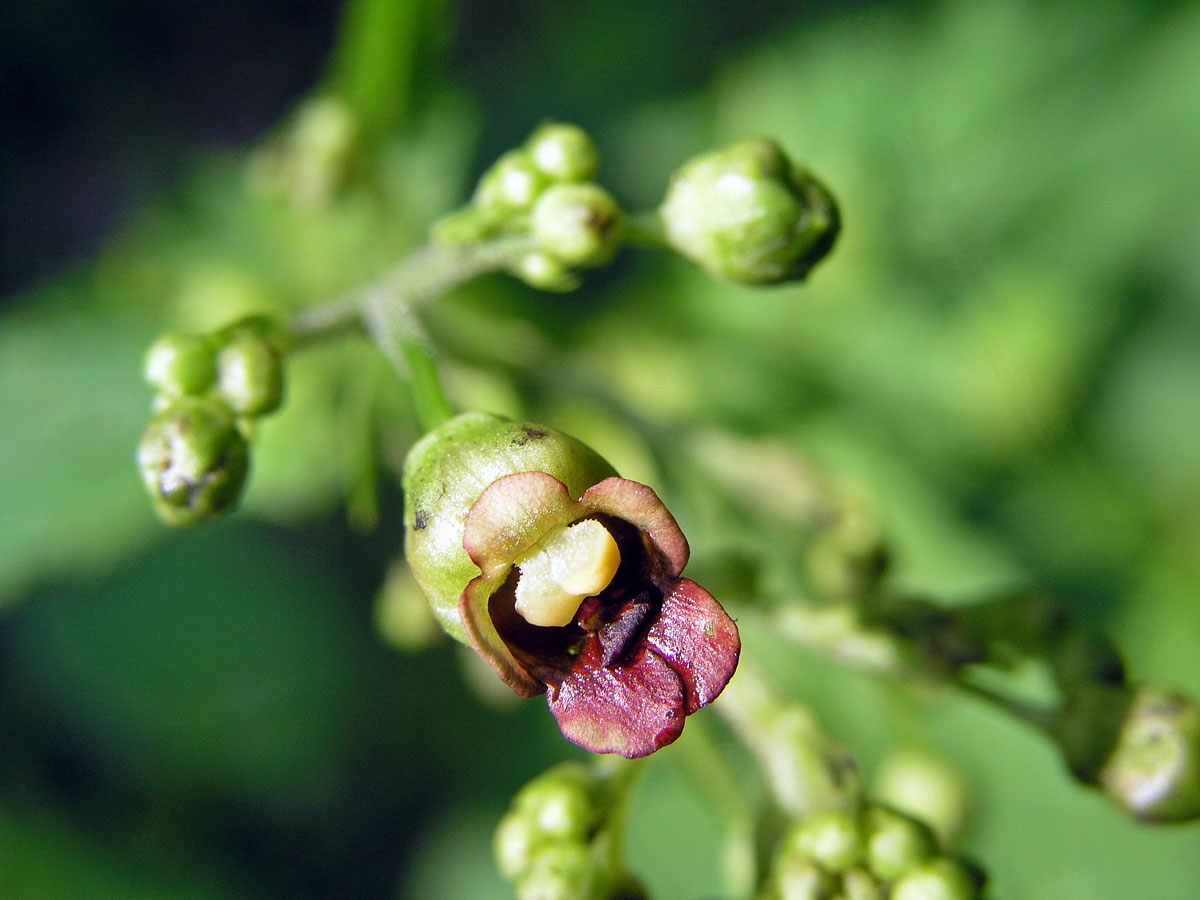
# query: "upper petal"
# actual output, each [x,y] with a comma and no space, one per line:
[638,505]
[512,514]
[696,637]
[631,709]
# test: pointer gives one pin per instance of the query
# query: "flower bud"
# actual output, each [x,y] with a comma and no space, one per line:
[514,845]
[563,152]
[250,375]
[796,877]
[1154,769]
[858,884]
[927,787]
[895,842]
[558,805]
[565,579]
[831,839]
[181,364]
[563,872]
[193,460]
[546,272]
[578,223]
[746,213]
[512,183]
[942,878]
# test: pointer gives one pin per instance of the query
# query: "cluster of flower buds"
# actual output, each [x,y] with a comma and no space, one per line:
[747,213]
[566,579]
[555,842]
[193,453]
[543,190]
[871,854]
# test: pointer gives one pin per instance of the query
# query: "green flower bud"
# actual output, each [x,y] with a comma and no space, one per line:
[515,844]
[942,878]
[926,787]
[747,213]
[193,461]
[559,805]
[1154,769]
[563,152]
[545,272]
[858,884]
[511,184]
[795,877]
[831,839]
[563,872]
[578,223]
[895,842]
[250,375]
[402,616]
[180,365]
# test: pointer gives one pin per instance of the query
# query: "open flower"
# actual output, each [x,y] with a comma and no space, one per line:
[568,583]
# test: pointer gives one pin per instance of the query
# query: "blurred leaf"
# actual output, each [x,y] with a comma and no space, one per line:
[43,859]
[73,403]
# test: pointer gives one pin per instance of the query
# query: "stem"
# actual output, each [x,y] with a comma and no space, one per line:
[645,229]
[388,308]
[804,769]
[619,777]
[1037,718]
[430,400]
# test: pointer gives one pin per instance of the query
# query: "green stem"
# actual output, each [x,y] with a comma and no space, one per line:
[376,57]
[389,310]
[432,407]
[619,777]
[804,769]
[645,229]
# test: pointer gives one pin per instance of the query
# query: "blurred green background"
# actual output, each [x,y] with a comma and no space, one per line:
[1004,352]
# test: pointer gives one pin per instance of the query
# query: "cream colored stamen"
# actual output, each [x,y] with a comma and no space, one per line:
[574,562]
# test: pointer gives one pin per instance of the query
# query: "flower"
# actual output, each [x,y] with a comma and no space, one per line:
[568,581]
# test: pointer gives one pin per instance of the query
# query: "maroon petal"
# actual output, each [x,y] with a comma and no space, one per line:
[486,641]
[638,505]
[629,709]
[696,637]
[512,514]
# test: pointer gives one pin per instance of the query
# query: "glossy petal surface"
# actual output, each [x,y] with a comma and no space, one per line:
[631,709]
[696,637]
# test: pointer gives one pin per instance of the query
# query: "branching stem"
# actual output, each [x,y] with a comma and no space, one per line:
[388,309]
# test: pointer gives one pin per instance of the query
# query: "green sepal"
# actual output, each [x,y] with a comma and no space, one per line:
[447,471]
